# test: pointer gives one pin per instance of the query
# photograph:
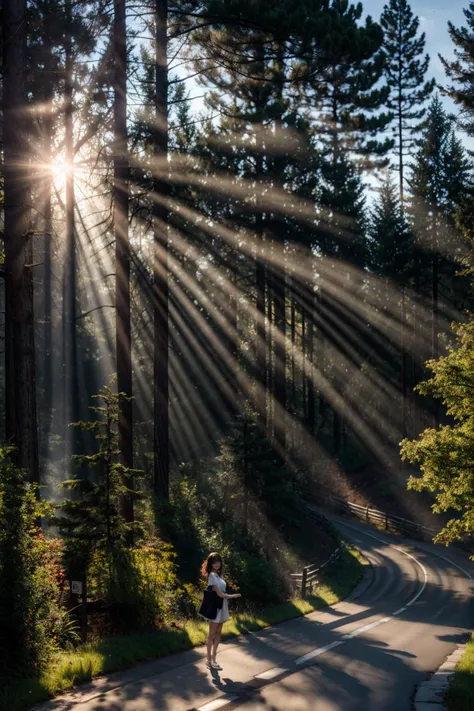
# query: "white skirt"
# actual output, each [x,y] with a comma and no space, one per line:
[222,614]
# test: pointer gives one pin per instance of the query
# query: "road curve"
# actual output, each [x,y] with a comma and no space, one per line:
[367,653]
[416,610]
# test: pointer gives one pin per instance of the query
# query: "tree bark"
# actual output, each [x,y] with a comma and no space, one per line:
[70,374]
[20,370]
[403,365]
[311,423]
[261,381]
[304,369]
[47,274]
[122,257]
[269,350]
[280,354]
[160,270]
[435,321]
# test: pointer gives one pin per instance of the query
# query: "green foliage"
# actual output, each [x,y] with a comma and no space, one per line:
[258,488]
[136,585]
[241,503]
[441,172]
[32,623]
[391,241]
[405,69]
[441,181]
[109,655]
[460,69]
[446,455]
[91,519]
[139,584]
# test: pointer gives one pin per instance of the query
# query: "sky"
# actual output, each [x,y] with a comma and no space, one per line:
[434,17]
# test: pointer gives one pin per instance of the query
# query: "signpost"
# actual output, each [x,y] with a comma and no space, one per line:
[79,588]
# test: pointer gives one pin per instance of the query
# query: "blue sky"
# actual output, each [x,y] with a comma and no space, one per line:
[434,17]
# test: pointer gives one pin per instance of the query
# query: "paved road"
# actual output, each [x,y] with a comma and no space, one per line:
[365,654]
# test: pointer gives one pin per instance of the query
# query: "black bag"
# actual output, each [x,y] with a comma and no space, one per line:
[211,603]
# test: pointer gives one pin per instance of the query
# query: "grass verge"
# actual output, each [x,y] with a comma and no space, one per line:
[460,696]
[70,669]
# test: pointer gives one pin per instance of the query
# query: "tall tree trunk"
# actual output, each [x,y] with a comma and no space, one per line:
[47,274]
[311,421]
[20,370]
[400,136]
[160,269]
[122,256]
[403,364]
[70,374]
[233,343]
[293,364]
[280,353]
[269,345]
[415,362]
[261,383]
[260,262]
[304,369]
[435,321]
[279,268]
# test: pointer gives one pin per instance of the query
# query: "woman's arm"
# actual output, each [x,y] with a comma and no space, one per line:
[224,595]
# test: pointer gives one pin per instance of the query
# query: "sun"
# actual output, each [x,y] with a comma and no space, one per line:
[61,169]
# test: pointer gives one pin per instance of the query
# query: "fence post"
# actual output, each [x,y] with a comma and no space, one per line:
[367,513]
[386,521]
[303,582]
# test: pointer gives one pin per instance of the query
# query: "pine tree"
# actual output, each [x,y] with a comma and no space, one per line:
[342,241]
[391,257]
[441,178]
[390,245]
[345,90]
[460,70]
[257,480]
[91,519]
[405,69]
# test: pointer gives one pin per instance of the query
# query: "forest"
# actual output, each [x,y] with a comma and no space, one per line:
[236,258]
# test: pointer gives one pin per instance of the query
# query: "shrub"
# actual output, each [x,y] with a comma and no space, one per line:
[139,585]
[32,622]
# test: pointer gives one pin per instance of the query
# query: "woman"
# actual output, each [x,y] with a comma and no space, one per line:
[212,570]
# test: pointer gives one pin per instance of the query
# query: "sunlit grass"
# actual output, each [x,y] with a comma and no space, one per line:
[113,654]
[461,694]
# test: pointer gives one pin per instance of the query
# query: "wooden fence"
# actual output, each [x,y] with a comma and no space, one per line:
[380,518]
[309,574]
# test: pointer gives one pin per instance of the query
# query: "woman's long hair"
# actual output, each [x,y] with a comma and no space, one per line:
[206,568]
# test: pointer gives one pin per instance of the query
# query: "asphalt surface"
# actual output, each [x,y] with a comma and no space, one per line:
[368,653]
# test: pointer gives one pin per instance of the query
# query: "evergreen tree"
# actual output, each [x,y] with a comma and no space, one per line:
[391,257]
[391,241]
[91,519]
[440,174]
[405,69]
[257,480]
[460,70]
[346,93]
[441,178]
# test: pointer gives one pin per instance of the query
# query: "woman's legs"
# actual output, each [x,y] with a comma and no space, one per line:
[210,639]
[217,639]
